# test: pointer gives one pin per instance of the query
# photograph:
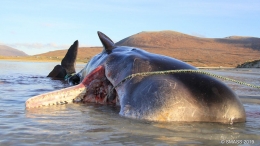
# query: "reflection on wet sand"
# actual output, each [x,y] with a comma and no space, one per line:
[255,99]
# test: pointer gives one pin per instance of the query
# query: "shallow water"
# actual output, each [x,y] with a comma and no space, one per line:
[91,124]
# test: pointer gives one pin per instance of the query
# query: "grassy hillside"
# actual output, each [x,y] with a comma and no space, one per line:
[84,54]
[200,52]
[229,51]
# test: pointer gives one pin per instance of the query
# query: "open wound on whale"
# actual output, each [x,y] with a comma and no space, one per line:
[94,88]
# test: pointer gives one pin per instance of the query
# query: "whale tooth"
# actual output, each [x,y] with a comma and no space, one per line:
[59,97]
[70,94]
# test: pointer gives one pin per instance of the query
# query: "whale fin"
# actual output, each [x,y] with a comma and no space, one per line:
[68,62]
[108,44]
[58,72]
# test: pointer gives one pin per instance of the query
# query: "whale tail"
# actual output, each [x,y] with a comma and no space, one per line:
[67,64]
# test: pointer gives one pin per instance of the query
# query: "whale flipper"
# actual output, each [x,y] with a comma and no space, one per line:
[67,66]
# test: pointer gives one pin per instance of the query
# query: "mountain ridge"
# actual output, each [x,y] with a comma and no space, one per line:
[9,51]
[197,51]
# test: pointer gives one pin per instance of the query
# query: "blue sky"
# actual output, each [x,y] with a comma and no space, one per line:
[41,26]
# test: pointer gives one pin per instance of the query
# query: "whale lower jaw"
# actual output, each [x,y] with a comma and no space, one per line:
[94,88]
[59,97]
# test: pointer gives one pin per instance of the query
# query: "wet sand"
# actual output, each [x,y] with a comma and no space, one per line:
[32,59]
[29,59]
[46,59]
[250,99]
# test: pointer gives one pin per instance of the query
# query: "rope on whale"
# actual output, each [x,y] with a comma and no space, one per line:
[184,71]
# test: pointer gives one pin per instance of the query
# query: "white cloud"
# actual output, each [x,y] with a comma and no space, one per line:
[39,45]
[48,24]
[38,48]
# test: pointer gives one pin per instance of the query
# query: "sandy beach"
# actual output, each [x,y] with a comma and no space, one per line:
[33,59]
[52,59]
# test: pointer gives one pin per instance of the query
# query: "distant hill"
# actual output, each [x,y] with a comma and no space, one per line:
[229,51]
[8,51]
[203,52]
[84,53]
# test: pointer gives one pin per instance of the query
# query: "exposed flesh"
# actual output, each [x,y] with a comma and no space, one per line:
[94,88]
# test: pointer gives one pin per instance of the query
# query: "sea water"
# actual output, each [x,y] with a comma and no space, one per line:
[92,124]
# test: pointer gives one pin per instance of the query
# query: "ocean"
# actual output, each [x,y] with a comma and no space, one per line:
[93,124]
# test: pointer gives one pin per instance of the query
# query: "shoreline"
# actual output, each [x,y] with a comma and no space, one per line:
[21,59]
[27,60]
[32,60]
[220,67]
[250,99]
